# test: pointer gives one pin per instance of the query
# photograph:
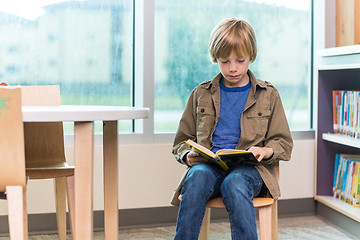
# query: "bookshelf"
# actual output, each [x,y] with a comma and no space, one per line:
[336,67]
[333,77]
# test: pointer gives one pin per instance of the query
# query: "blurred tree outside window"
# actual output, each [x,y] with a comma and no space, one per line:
[84,46]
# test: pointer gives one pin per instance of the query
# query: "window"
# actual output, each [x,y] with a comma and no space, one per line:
[84,46]
[182,31]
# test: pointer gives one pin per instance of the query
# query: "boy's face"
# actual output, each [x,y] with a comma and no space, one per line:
[234,70]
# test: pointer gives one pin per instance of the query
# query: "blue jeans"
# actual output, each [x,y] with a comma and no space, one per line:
[237,186]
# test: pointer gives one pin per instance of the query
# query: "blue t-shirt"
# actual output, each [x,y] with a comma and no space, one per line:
[232,103]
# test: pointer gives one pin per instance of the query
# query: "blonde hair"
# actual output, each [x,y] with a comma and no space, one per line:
[232,34]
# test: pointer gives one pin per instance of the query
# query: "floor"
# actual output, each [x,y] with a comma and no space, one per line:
[302,228]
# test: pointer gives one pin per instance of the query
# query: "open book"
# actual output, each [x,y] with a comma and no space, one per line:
[224,158]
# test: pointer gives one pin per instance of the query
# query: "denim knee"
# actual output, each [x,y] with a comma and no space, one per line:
[243,181]
[235,185]
[201,178]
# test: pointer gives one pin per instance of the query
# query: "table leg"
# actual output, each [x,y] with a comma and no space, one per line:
[84,148]
[110,148]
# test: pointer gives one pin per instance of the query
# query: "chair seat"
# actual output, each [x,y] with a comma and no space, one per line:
[48,166]
[258,202]
[50,172]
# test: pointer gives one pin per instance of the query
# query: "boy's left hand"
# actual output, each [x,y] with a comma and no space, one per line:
[261,152]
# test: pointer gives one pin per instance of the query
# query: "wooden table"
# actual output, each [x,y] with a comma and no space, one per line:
[83,118]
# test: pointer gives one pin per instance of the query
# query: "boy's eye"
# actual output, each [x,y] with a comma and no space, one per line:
[241,60]
[224,61]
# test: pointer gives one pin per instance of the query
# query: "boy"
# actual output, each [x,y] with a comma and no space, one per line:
[234,110]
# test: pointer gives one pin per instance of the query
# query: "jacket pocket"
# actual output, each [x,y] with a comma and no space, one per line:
[257,120]
[205,121]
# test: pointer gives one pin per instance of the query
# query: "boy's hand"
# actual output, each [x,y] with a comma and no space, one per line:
[261,152]
[193,158]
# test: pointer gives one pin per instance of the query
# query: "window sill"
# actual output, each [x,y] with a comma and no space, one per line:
[160,138]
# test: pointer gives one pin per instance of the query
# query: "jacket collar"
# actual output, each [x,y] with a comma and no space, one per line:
[213,85]
[256,82]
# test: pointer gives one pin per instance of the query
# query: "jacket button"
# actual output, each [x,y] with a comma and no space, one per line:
[259,114]
[202,110]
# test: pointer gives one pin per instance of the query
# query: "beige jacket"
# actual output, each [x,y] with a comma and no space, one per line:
[263,124]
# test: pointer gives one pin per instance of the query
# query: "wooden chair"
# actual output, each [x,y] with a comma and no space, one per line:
[12,160]
[268,215]
[45,153]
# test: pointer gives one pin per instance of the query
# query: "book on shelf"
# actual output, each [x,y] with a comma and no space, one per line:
[346,113]
[224,158]
[346,182]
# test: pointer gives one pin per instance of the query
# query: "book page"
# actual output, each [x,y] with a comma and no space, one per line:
[200,148]
[222,151]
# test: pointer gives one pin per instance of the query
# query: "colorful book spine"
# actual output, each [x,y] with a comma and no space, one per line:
[346,112]
[346,182]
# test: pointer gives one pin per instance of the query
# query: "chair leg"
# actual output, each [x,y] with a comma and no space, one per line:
[264,220]
[60,193]
[15,212]
[71,202]
[204,231]
[26,235]
[274,221]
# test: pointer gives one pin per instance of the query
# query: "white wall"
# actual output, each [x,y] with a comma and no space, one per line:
[148,174]
[297,175]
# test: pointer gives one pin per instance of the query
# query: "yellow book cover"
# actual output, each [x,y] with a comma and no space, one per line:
[225,158]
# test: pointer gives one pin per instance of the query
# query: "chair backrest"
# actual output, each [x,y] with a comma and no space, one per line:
[12,156]
[44,142]
[41,95]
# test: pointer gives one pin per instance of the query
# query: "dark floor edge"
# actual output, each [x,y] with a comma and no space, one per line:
[149,217]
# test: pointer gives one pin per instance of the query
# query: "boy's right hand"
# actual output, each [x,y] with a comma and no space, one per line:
[193,158]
